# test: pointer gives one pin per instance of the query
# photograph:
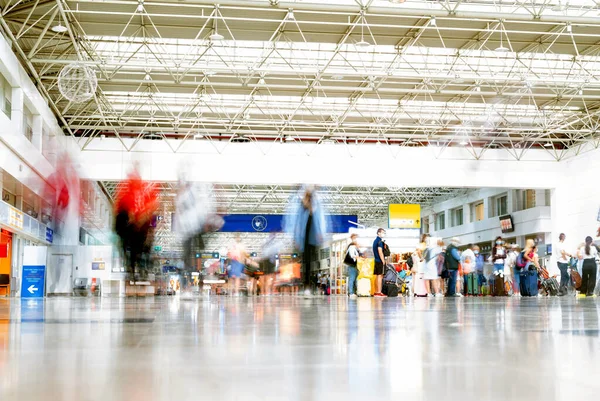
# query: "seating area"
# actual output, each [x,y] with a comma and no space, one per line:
[4,285]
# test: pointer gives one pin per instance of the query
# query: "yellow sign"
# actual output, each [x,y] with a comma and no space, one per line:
[15,218]
[405,216]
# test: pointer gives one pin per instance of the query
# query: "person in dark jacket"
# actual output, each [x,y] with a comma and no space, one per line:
[452,260]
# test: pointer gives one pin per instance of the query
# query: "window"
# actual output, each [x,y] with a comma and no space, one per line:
[528,199]
[324,253]
[457,217]
[5,97]
[440,221]
[501,205]
[425,225]
[28,124]
[477,212]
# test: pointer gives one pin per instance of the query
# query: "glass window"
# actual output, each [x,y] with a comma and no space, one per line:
[457,217]
[502,205]
[478,212]
[528,199]
[425,225]
[440,221]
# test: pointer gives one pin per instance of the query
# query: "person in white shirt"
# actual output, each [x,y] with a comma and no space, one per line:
[588,254]
[351,260]
[563,264]
[467,260]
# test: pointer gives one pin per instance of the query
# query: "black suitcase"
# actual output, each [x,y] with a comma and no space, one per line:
[390,289]
[550,285]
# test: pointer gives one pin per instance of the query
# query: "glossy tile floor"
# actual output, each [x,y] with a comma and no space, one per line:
[297,349]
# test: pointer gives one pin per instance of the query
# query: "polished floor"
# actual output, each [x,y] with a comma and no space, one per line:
[298,349]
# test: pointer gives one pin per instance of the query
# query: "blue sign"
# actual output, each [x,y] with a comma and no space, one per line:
[270,223]
[33,281]
[49,234]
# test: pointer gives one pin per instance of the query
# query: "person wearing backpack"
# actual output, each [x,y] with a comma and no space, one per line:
[378,253]
[452,260]
[351,260]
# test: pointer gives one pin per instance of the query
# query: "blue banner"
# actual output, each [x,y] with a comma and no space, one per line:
[33,281]
[269,223]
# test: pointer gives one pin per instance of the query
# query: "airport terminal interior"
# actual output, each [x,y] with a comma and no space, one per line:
[299,199]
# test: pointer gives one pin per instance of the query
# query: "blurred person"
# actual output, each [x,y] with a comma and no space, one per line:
[528,279]
[467,260]
[238,256]
[351,261]
[514,271]
[588,254]
[306,223]
[378,246]
[430,271]
[499,255]
[479,265]
[562,262]
[135,205]
[268,264]
[452,261]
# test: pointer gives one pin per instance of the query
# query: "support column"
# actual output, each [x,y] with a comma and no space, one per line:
[466,213]
[510,201]
[486,208]
[540,197]
[448,218]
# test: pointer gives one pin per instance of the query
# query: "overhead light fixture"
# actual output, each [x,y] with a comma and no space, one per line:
[502,49]
[363,43]
[290,15]
[559,7]
[580,92]
[60,28]
[432,21]
[209,73]
[147,77]
[246,115]
[397,1]
[198,136]
[262,81]
[478,88]
[216,37]
[464,142]
[140,7]
[548,144]
[569,28]
[289,138]
[337,77]
[205,97]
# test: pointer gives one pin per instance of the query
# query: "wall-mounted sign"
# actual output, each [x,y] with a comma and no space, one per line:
[49,234]
[404,216]
[15,218]
[98,265]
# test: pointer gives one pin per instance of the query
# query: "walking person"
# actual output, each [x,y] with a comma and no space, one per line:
[351,261]
[588,254]
[479,265]
[430,272]
[563,264]
[452,261]
[515,273]
[378,246]
[306,223]
[467,260]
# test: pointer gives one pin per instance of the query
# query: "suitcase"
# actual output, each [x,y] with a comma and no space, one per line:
[576,277]
[363,287]
[419,285]
[550,285]
[390,289]
[473,284]
[528,285]
[498,289]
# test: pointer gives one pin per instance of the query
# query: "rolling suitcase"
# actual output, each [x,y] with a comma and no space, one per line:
[363,287]
[550,285]
[473,284]
[390,289]
[419,285]
[498,289]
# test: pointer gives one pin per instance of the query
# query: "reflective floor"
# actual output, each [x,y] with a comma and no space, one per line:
[297,349]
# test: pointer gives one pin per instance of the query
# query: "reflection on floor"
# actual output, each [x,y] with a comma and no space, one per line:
[298,349]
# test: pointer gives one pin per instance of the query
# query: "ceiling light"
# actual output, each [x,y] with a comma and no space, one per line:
[432,21]
[147,77]
[580,92]
[198,136]
[464,142]
[363,43]
[502,49]
[289,139]
[548,144]
[209,73]
[205,97]
[140,7]
[246,115]
[569,28]
[60,28]
[559,7]
[397,1]
[337,77]
[290,15]
[216,37]
[478,88]
[262,81]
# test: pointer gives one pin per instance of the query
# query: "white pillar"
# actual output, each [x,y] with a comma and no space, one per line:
[466,213]
[510,201]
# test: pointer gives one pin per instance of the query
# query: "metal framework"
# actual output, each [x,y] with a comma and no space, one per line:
[514,74]
[370,204]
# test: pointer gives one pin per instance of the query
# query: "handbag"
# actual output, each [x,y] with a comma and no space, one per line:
[576,277]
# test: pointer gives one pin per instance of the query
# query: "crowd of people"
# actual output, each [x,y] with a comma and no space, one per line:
[440,270]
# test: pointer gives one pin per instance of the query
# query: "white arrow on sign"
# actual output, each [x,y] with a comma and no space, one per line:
[32,289]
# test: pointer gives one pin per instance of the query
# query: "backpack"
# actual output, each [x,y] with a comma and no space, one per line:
[386,250]
[348,259]
[521,262]
[410,262]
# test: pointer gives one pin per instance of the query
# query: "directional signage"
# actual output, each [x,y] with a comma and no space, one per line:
[33,281]
[49,234]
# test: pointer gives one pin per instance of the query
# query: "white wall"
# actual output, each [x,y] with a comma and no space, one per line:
[83,256]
